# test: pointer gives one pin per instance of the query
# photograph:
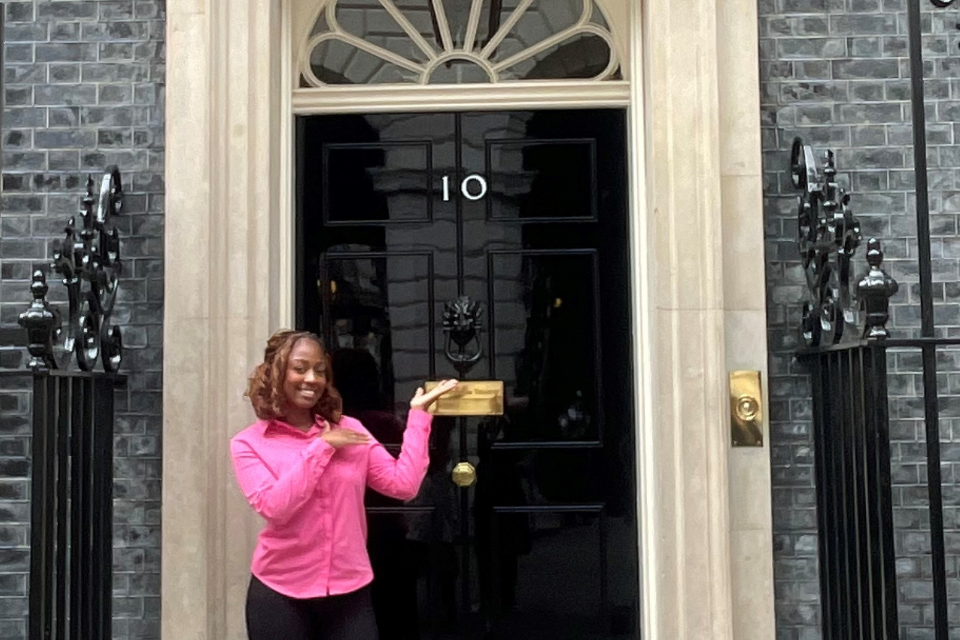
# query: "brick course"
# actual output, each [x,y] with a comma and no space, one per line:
[84,89]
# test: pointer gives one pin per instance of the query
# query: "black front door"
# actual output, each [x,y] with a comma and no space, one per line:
[525,213]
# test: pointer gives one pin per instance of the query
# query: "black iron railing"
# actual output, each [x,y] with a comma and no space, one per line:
[844,351]
[71,537]
[71,504]
[854,507]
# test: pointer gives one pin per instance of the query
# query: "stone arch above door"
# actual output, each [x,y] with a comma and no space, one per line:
[420,42]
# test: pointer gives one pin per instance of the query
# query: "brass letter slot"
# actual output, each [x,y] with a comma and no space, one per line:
[746,409]
[470,398]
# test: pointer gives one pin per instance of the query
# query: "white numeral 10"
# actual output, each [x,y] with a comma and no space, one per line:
[465,187]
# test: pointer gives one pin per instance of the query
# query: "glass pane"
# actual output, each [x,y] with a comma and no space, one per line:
[540,21]
[336,62]
[458,16]
[581,56]
[370,21]
[597,18]
[320,26]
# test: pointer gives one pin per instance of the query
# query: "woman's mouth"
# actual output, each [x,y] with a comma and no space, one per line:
[308,393]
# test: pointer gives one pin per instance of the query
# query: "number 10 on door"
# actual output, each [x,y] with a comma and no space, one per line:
[473,187]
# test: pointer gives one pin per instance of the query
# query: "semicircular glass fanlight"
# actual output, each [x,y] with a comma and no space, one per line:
[458,42]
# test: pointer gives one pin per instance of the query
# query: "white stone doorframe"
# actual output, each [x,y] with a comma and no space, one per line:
[699,309]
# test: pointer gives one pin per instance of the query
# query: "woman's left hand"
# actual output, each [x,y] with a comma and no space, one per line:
[422,401]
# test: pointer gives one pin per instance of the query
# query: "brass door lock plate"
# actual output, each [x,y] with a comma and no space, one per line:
[746,409]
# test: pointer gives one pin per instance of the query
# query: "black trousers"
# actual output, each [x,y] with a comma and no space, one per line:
[274,616]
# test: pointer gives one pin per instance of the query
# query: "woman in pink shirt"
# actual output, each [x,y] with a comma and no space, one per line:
[303,466]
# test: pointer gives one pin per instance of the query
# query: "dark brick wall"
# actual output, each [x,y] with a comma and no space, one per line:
[836,72]
[85,90]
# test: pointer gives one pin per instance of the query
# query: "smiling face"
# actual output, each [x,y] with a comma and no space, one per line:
[306,375]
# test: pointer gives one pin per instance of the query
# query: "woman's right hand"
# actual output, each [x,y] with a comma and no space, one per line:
[337,438]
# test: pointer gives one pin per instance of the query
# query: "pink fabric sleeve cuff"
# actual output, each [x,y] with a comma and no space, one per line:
[319,452]
[419,419]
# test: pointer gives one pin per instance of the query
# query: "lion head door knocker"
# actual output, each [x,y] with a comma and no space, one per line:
[461,325]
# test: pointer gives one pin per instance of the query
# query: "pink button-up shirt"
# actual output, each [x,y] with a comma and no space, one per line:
[311,496]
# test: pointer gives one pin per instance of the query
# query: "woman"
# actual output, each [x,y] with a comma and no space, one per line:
[303,466]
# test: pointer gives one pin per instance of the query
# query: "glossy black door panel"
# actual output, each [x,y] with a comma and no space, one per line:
[542,180]
[524,212]
[544,328]
[397,186]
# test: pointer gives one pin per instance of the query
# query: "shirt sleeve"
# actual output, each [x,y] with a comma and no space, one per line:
[401,477]
[279,498]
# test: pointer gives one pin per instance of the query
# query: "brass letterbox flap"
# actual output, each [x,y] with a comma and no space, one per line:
[470,398]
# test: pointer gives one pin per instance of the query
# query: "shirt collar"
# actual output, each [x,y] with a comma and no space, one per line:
[278,426]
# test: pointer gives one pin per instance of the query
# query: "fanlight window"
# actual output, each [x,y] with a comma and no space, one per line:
[458,41]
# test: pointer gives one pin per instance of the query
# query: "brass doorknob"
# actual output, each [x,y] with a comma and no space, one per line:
[464,475]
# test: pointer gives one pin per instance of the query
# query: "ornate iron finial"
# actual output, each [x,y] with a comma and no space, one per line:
[461,323]
[42,324]
[828,237]
[88,261]
[874,292]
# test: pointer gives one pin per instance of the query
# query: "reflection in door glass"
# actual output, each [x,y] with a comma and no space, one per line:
[544,332]
[379,305]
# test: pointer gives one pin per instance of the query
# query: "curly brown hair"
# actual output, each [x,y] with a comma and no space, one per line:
[265,387]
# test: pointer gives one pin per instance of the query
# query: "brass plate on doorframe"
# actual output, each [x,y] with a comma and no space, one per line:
[470,398]
[746,409]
